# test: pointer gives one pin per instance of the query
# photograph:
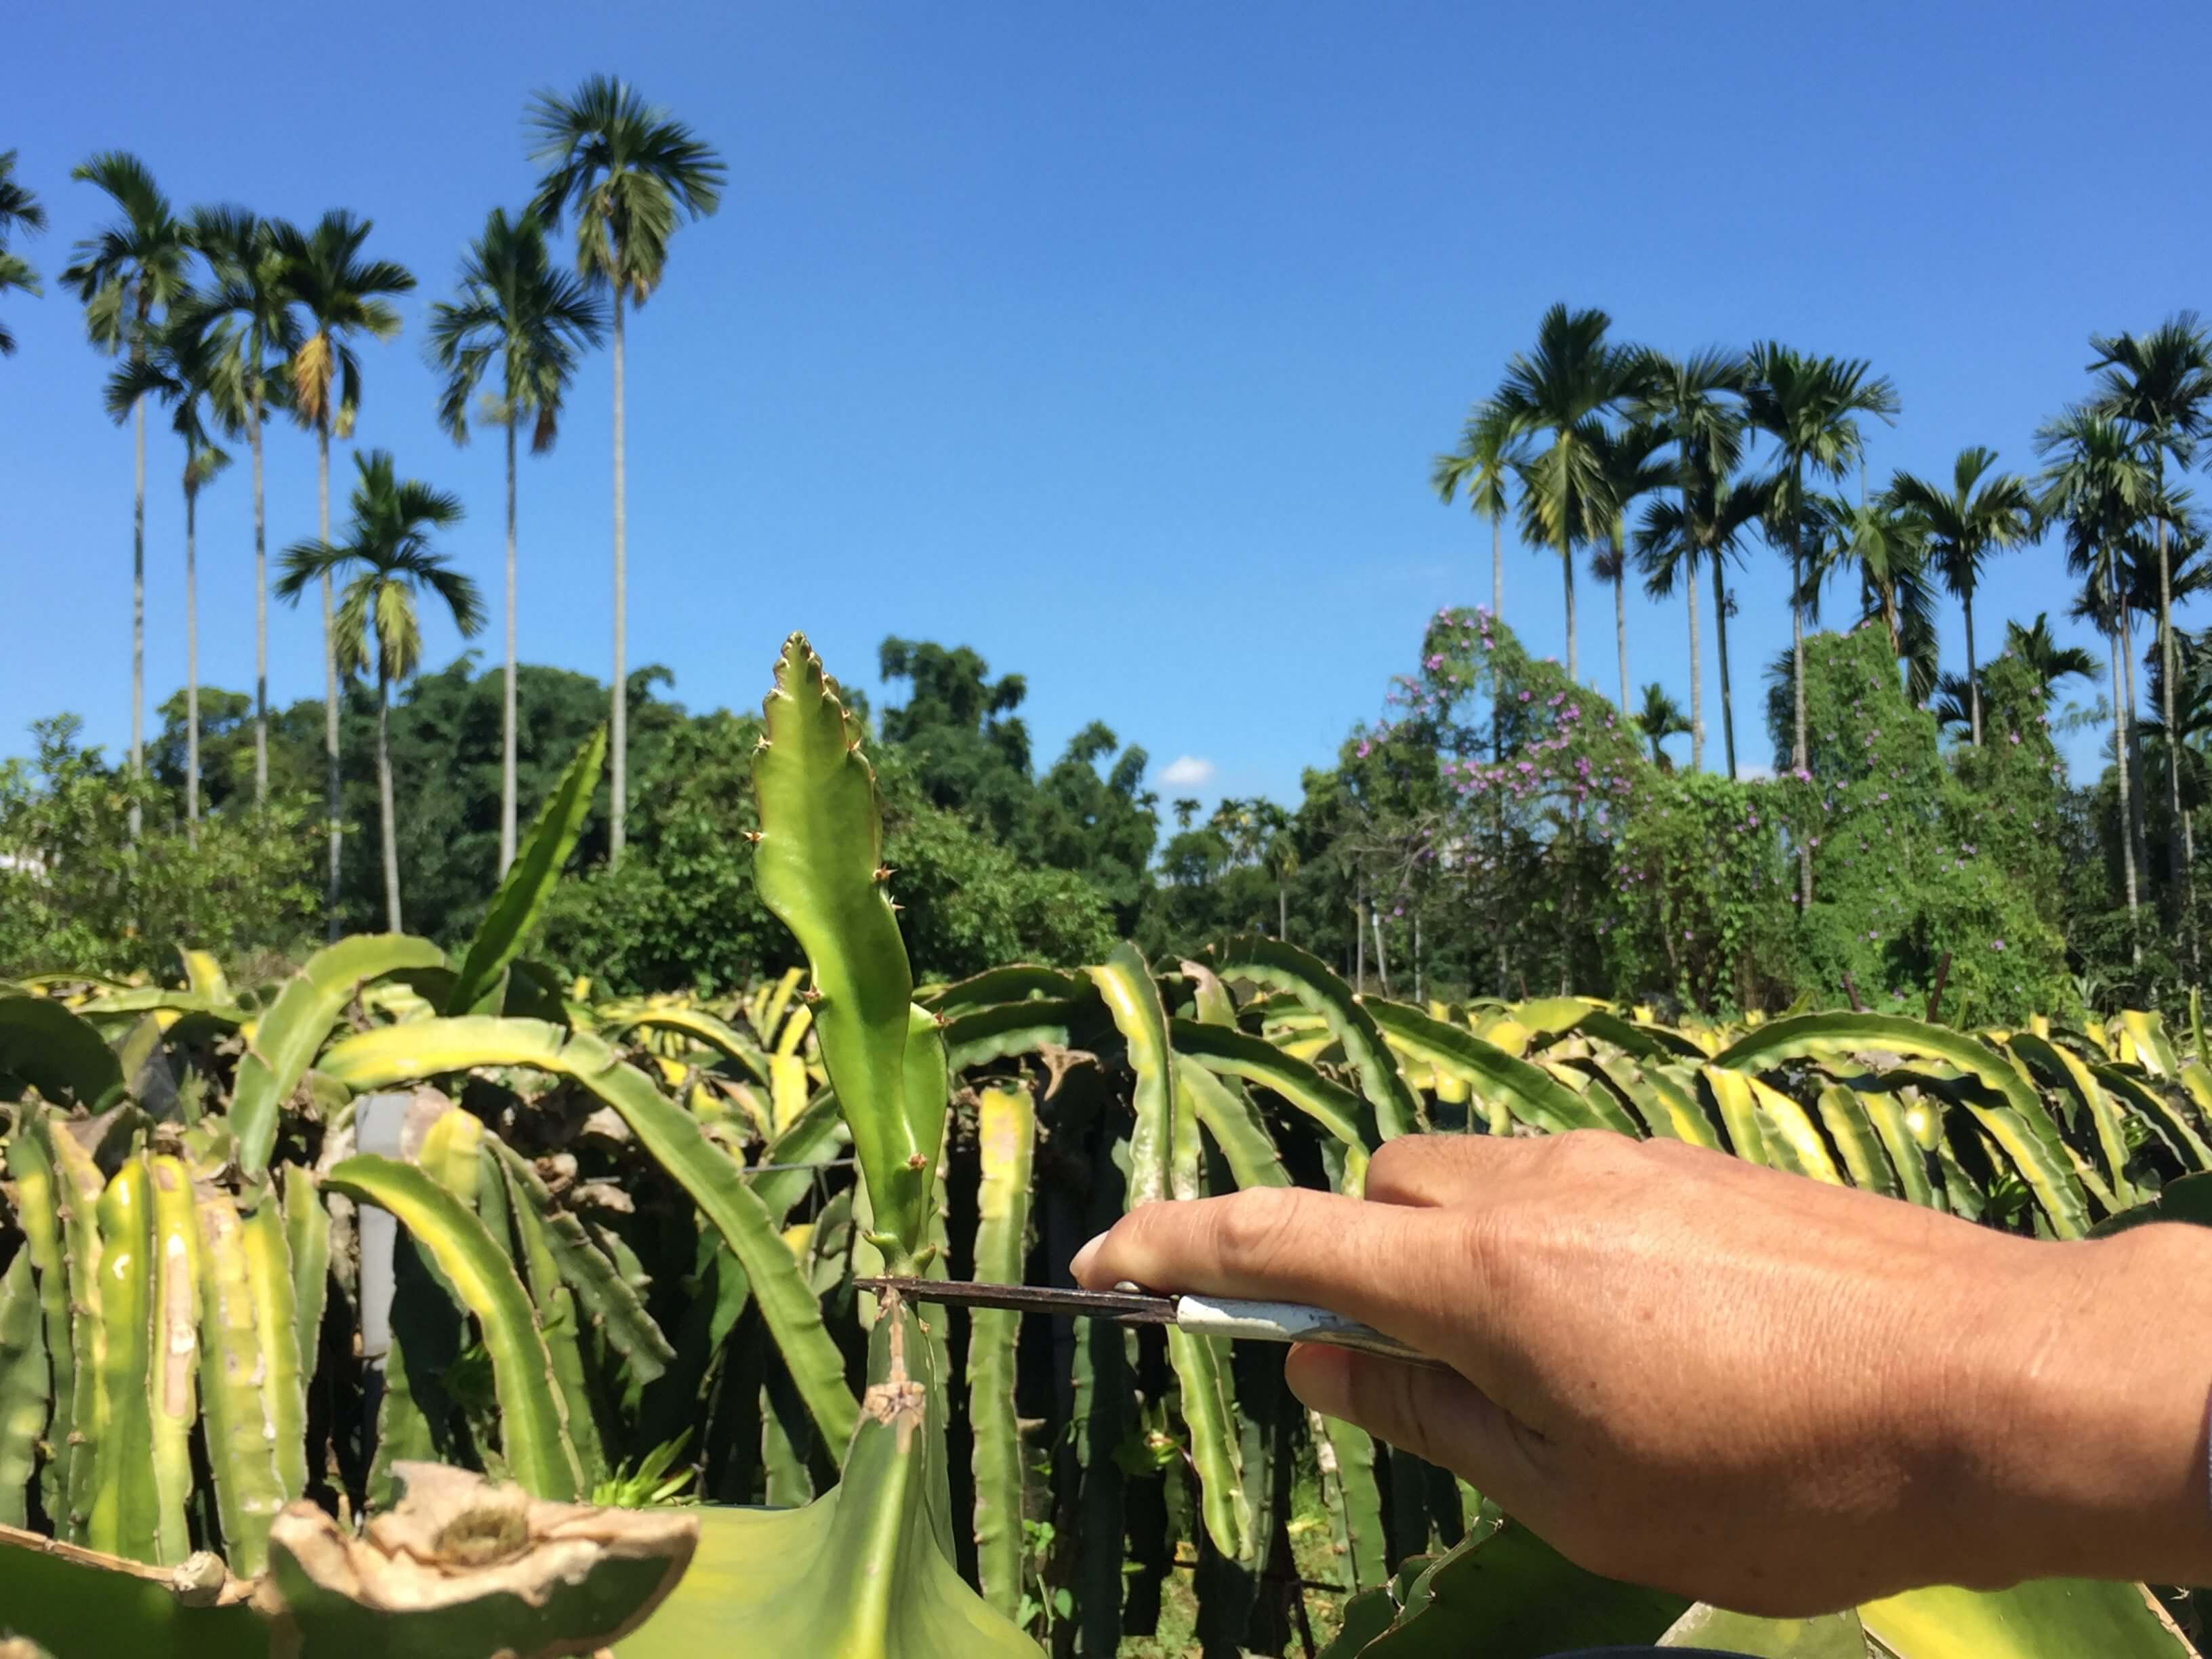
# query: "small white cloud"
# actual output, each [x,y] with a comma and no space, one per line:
[1753,772]
[1187,772]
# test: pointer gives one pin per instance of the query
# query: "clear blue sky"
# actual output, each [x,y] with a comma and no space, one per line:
[1113,341]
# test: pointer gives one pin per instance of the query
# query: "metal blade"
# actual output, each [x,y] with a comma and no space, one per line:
[1130,1307]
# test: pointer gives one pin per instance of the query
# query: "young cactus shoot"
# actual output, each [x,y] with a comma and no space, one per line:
[821,872]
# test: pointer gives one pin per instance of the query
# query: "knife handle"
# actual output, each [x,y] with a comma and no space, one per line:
[1292,1322]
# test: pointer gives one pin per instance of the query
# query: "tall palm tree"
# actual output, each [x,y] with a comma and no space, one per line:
[2038,649]
[19,211]
[2193,653]
[2048,660]
[1885,546]
[1630,470]
[1697,402]
[1488,452]
[2098,484]
[2159,384]
[516,310]
[178,369]
[1674,537]
[1981,513]
[388,562]
[339,294]
[247,308]
[625,170]
[1659,719]
[1810,407]
[1562,393]
[127,273]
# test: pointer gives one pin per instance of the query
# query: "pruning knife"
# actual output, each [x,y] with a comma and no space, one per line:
[1201,1315]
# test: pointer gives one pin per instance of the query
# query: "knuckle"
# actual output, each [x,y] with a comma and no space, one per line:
[1395,1163]
[1250,1228]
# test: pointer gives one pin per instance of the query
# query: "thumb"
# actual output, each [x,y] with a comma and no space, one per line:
[1439,1417]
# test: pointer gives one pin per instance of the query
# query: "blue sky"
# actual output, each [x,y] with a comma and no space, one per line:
[1113,341]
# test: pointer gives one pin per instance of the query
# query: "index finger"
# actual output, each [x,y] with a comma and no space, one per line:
[1397,1268]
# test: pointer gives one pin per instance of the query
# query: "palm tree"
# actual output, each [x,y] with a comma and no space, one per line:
[1629,471]
[1659,719]
[1810,407]
[1978,515]
[19,211]
[1488,453]
[515,310]
[1564,391]
[1697,403]
[2098,484]
[1886,546]
[2193,653]
[2048,660]
[180,368]
[247,308]
[389,560]
[2159,384]
[339,294]
[625,170]
[126,274]
[1672,540]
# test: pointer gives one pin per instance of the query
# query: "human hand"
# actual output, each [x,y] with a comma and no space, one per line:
[1743,1386]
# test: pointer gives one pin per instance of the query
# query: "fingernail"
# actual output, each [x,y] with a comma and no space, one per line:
[1080,1267]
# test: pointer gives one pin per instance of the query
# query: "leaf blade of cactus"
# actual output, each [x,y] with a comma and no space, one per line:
[2167,1121]
[537,1449]
[31,1167]
[1533,1095]
[79,1186]
[25,1385]
[2042,1619]
[1508,1595]
[1836,1635]
[1281,967]
[1240,1055]
[1229,1116]
[307,1241]
[1006,1142]
[503,1188]
[859,1573]
[2017,1122]
[816,868]
[529,880]
[1787,1128]
[1125,983]
[1669,1107]
[671,1135]
[173,1379]
[693,1022]
[277,1328]
[1201,1367]
[121,1520]
[812,1138]
[286,1037]
[610,1302]
[203,975]
[241,1450]
[1845,1116]
[72,1601]
[58,1053]
[1346,1455]
[1007,1030]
